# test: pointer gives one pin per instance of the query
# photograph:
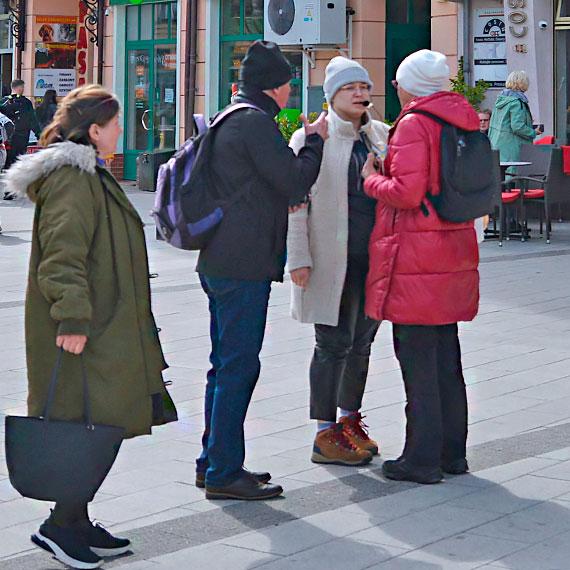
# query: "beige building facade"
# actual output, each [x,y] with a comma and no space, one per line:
[149,48]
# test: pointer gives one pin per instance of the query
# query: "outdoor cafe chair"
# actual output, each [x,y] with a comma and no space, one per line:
[547,190]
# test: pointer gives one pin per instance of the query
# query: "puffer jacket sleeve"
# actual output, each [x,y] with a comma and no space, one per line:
[298,251]
[409,158]
[520,119]
[290,175]
[66,227]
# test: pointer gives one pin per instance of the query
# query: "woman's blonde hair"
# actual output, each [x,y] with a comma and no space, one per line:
[518,80]
[83,107]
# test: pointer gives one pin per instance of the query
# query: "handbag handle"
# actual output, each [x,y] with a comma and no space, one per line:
[51,392]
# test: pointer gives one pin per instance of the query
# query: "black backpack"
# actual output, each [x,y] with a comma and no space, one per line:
[469,182]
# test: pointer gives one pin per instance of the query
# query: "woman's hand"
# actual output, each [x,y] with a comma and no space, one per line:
[369,169]
[74,343]
[301,277]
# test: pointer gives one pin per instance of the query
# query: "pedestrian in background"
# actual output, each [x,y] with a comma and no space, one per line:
[21,111]
[247,253]
[88,292]
[327,250]
[511,121]
[484,120]
[423,272]
[47,108]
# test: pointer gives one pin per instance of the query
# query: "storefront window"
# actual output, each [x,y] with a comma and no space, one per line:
[397,11]
[241,25]
[253,17]
[5,33]
[161,19]
[231,18]
[132,23]
[563,9]
[146,22]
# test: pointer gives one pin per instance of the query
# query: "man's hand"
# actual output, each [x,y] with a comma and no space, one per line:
[369,169]
[301,277]
[320,126]
[74,343]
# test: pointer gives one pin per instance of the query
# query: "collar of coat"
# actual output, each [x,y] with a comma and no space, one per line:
[345,129]
[30,168]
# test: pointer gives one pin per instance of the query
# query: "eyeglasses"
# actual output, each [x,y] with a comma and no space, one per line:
[355,88]
[394,84]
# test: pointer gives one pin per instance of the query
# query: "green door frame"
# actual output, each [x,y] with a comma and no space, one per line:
[402,39]
[130,156]
[241,37]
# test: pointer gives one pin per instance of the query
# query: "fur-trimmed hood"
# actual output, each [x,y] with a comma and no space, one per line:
[20,179]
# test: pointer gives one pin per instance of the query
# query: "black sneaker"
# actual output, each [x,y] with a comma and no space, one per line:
[402,470]
[103,543]
[67,545]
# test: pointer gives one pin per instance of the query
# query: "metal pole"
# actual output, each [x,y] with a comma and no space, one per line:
[100,39]
[190,68]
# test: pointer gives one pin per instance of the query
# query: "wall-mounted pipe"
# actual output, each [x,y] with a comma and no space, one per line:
[190,68]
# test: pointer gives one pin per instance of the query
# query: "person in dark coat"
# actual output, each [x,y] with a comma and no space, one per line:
[245,255]
[88,292]
[47,108]
[21,111]
[423,273]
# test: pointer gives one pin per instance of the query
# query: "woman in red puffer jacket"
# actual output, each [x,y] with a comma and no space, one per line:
[423,272]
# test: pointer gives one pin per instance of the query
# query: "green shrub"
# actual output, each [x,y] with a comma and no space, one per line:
[288,127]
[473,94]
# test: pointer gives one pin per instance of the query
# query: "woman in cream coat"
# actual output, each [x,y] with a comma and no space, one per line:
[327,248]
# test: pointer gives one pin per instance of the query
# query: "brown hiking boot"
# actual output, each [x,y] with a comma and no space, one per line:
[357,434]
[332,447]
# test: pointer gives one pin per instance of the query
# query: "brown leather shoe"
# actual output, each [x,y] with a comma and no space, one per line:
[246,488]
[357,433]
[262,477]
[332,446]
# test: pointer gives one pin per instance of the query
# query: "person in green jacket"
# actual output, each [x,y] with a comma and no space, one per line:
[511,121]
[88,293]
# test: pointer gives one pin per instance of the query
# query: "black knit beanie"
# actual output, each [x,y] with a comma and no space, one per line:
[264,66]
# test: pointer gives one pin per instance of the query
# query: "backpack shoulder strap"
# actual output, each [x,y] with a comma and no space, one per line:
[427,114]
[231,109]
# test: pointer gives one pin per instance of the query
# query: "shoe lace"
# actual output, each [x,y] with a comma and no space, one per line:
[339,438]
[356,427]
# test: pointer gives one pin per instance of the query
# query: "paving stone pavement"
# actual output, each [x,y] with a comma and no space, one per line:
[511,512]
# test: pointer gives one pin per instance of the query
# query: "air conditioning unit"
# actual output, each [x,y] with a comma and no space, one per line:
[305,22]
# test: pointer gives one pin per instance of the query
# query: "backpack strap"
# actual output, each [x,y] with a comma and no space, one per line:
[427,114]
[443,123]
[232,108]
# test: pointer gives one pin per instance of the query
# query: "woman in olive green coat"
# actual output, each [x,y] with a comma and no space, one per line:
[88,292]
[511,121]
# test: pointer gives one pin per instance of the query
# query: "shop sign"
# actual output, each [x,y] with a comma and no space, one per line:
[82,45]
[55,54]
[517,18]
[62,80]
[490,47]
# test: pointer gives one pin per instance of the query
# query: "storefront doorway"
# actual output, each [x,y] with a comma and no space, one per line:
[562,72]
[408,29]
[151,90]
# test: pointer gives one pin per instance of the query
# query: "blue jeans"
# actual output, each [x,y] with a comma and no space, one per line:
[238,312]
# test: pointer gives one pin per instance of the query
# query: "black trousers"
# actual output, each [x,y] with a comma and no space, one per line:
[339,367]
[18,146]
[436,410]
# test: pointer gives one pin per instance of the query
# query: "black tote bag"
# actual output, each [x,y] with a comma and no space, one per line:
[60,461]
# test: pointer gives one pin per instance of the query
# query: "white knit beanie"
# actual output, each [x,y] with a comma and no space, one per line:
[422,73]
[340,72]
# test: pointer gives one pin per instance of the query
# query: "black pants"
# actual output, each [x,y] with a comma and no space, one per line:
[340,362]
[18,146]
[436,412]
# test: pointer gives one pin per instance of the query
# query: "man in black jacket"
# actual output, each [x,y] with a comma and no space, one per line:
[21,111]
[247,253]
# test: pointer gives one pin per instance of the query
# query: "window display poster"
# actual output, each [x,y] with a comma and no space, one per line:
[489,46]
[62,80]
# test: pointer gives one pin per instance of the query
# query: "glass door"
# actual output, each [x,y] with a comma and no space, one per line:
[150,86]
[139,116]
[164,107]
